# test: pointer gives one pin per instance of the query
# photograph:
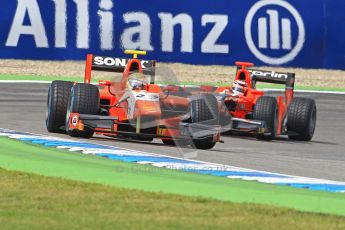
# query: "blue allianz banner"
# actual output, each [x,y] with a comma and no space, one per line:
[296,33]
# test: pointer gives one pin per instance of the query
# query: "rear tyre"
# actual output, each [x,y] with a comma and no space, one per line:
[204,107]
[266,109]
[57,102]
[302,119]
[84,99]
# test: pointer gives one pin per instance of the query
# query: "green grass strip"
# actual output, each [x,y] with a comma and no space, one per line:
[15,155]
[80,79]
[30,201]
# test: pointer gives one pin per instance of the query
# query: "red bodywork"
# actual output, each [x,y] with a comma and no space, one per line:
[111,97]
[245,103]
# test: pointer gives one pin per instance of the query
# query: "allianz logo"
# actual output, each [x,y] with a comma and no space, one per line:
[275,26]
[274,32]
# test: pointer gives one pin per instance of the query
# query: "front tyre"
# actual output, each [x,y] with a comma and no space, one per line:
[204,107]
[266,109]
[302,119]
[204,144]
[57,102]
[84,99]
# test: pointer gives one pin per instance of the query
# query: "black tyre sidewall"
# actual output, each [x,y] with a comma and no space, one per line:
[57,100]
[204,107]
[302,117]
[49,123]
[84,99]
[204,144]
[266,109]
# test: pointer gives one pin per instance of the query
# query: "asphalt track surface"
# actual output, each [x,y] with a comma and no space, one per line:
[23,106]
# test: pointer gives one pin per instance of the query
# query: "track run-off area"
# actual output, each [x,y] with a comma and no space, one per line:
[23,107]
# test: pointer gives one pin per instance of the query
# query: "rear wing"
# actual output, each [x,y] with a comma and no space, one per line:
[110,64]
[257,75]
[287,79]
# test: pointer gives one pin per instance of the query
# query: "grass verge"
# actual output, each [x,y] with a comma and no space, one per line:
[80,79]
[29,201]
[19,156]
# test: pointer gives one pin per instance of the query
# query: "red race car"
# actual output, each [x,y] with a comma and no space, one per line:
[284,115]
[131,106]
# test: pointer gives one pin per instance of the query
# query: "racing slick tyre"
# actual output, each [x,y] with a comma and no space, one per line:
[84,99]
[302,119]
[266,109]
[204,144]
[204,107]
[57,101]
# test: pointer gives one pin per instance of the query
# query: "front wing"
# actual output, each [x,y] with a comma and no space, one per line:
[108,125]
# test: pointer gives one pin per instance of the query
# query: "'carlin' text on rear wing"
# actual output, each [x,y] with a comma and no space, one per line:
[288,79]
[110,64]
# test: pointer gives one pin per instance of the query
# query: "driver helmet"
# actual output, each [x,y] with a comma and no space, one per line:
[239,88]
[137,81]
